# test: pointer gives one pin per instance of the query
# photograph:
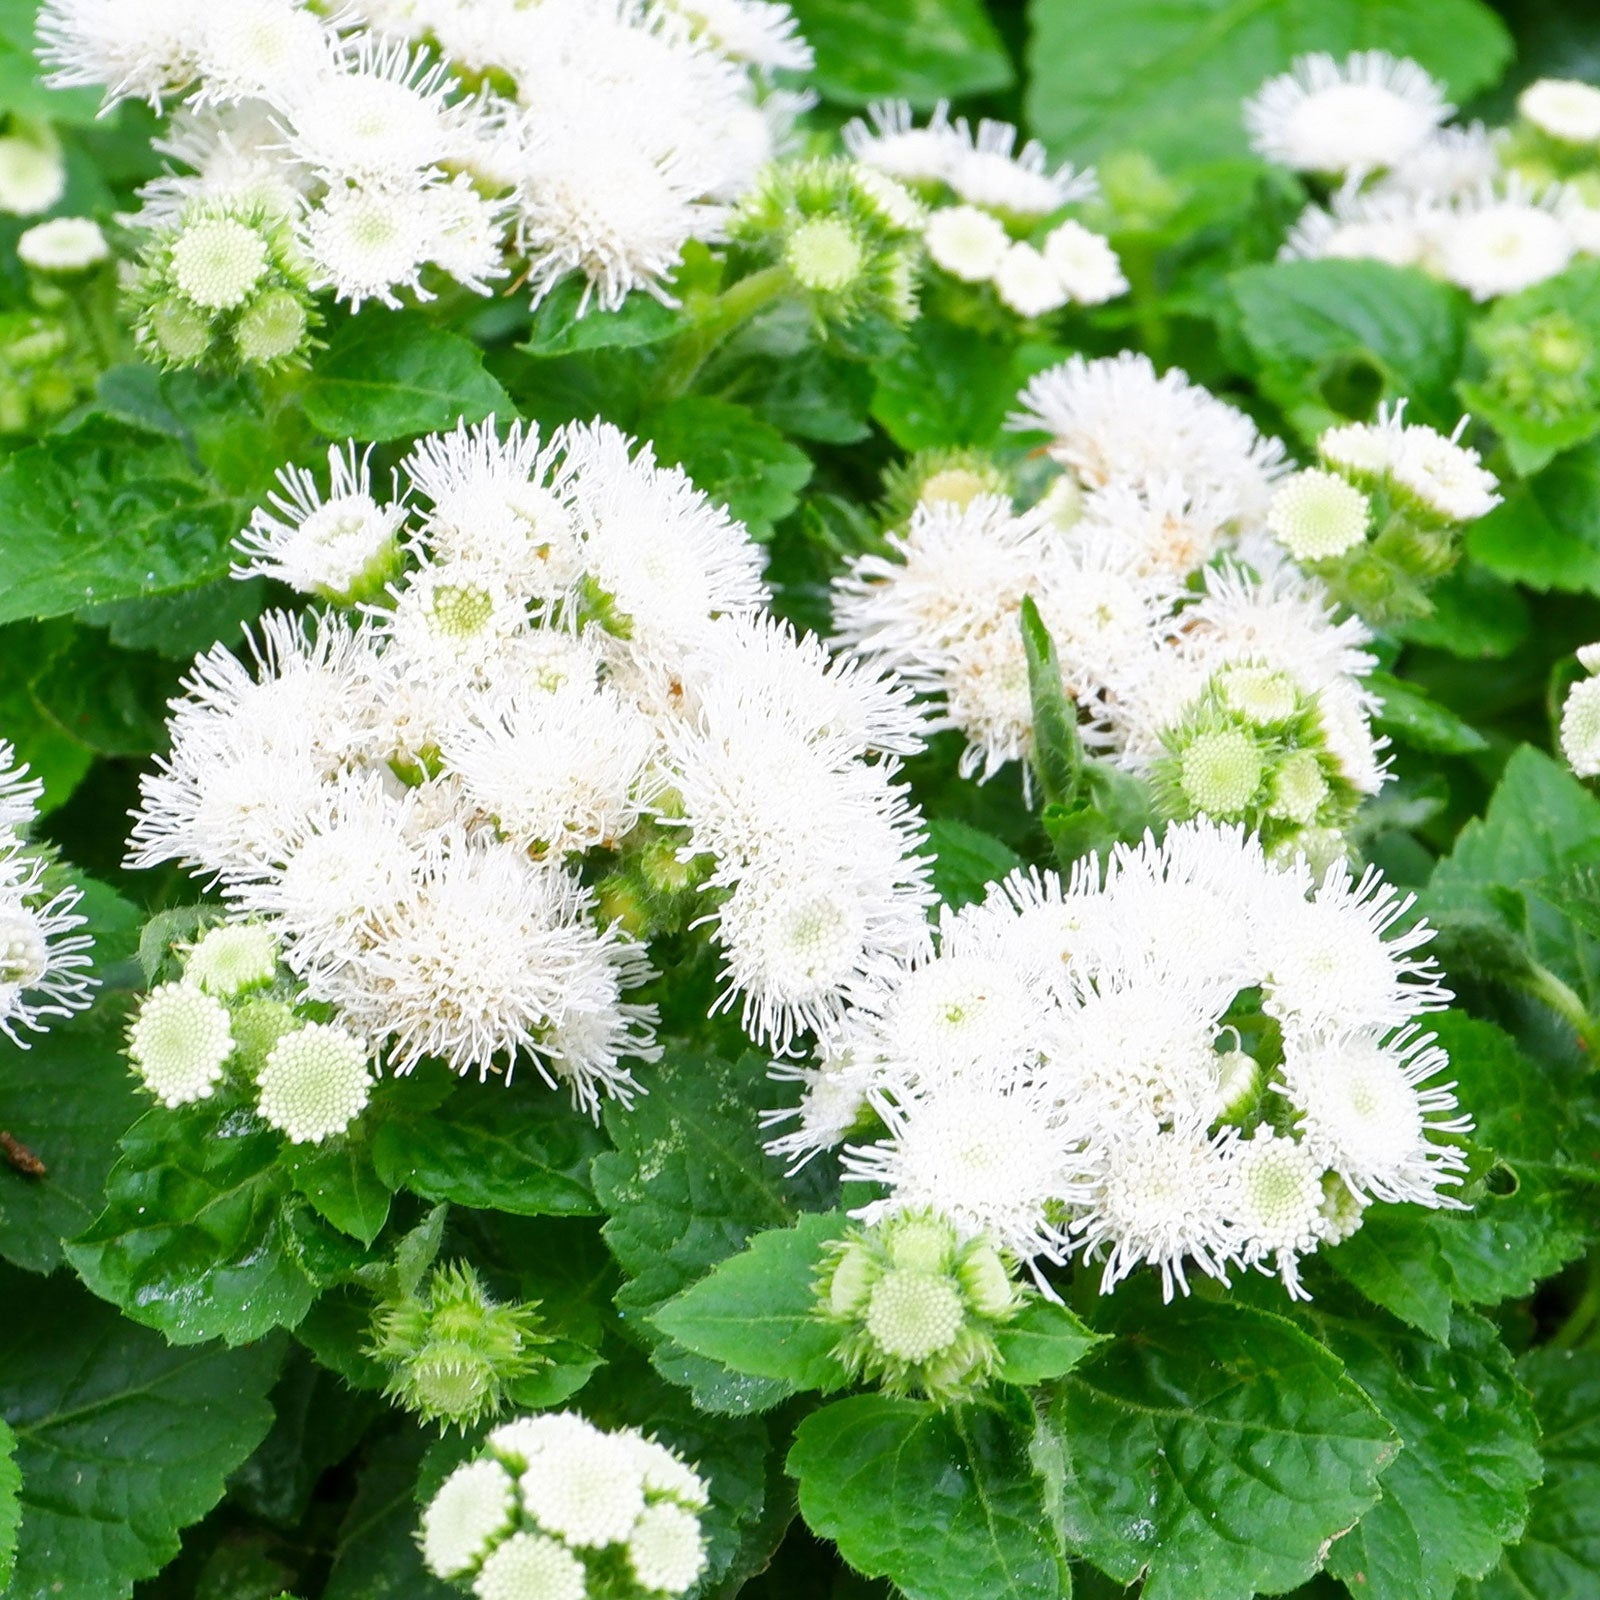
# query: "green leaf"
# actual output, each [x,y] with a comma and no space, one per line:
[519,1148]
[1322,330]
[106,515]
[388,375]
[944,385]
[22,90]
[1168,76]
[739,460]
[558,330]
[756,1312]
[1475,615]
[376,1555]
[1394,1258]
[1546,533]
[122,1441]
[943,1503]
[69,1100]
[10,1505]
[1213,1447]
[687,1185]
[1057,750]
[1414,718]
[1559,1556]
[916,50]
[1458,1491]
[966,860]
[1045,1341]
[195,1239]
[339,1180]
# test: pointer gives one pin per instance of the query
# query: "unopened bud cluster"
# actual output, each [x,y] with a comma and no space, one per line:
[230,1018]
[917,1307]
[1379,521]
[454,1352]
[224,286]
[948,477]
[556,1509]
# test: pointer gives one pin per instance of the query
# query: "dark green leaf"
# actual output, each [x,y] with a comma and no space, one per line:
[1213,1447]
[1395,1260]
[390,375]
[756,1312]
[122,1441]
[519,1148]
[194,1239]
[558,329]
[916,50]
[1412,717]
[966,860]
[10,1506]
[1475,615]
[339,1180]
[376,1556]
[944,385]
[1045,1341]
[945,1504]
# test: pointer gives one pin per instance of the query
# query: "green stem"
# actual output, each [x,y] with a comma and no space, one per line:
[1139,267]
[720,318]
[1581,1319]
[1563,999]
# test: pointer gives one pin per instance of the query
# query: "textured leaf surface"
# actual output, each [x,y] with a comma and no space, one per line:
[1546,534]
[376,1556]
[339,1180]
[944,1504]
[916,50]
[122,1441]
[10,1505]
[966,860]
[1214,1447]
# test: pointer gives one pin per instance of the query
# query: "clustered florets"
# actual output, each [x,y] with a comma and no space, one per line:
[556,1509]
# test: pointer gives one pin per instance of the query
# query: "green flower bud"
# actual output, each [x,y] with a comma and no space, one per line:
[180,1042]
[217,261]
[1239,1083]
[1220,772]
[824,255]
[258,1024]
[273,329]
[179,333]
[855,1272]
[228,960]
[1298,789]
[1261,695]
[989,1288]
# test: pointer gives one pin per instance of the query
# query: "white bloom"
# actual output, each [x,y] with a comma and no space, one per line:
[33,174]
[665,1549]
[1027,283]
[528,1566]
[665,1474]
[142,51]
[1317,515]
[266,48]
[833,1102]
[332,545]
[179,1043]
[470,1510]
[238,163]
[1085,263]
[1276,1198]
[1563,108]
[1580,727]
[1451,161]
[1448,477]
[1502,239]
[65,244]
[893,143]
[451,620]
[1167,526]
[367,241]
[589,1489]
[1365,224]
[465,233]
[968,243]
[761,32]
[19,794]
[986,169]
[315,1082]
[43,962]
[1368,112]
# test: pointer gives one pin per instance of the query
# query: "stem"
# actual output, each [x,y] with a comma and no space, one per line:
[1581,1319]
[721,317]
[1139,267]
[1543,984]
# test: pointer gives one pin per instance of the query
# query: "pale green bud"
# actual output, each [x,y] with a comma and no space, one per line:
[217,261]
[180,1042]
[272,329]
[914,1315]
[1263,695]
[258,1024]
[853,1278]
[1220,772]
[1299,788]
[180,333]
[1316,515]
[232,958]
[824,255]
[315,1082]
[986,1283]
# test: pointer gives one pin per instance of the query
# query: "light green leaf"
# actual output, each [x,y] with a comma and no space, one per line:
[1546,533]
[195,1238]
[558,330]
[10,1505]
[1411,716]
[944,385]
[123,1442]
[916,50]
[339,1180]
[756,1312]
[388,375]
[966,860]
[1212,1447]
[943,1503]
[1168,77]
[1045,1341]
[1394,1258]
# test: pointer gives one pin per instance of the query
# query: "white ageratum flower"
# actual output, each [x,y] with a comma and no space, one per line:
[1564,108]
[469,1512]
[141,51]
[1085,264]
[451,620]
[1448,477]
[20,793]
[180,1042]
[33,173]
[1363,114]
[369,240]
[763,33]
[1501,239]
[1580,718]
[227,960]
[967,242]
[63,245]
[1317,515]
[337,545]
[1276,1199]
[1363,224]
[43,962]
[890,141]
[1027,283]
[589,1490]
[530,1566]
[666,1549]
[237,163]
[261,48]
[315,1082]
[986,169]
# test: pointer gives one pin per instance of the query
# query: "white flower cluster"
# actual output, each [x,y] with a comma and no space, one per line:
[1162,479]
[575,667]
[1580,717]
[1204,1062]
[43,962]
[993,209]
[33,171]
[1455,201]
[628,128]
[555,1509]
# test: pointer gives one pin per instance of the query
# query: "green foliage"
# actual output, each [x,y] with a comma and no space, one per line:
[10,1505]
[916,50]
[1547,533]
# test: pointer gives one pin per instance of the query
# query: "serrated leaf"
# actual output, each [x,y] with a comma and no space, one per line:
[10,1505]
[943,1503]
[1395,1260]
[756,1312]
[388,375]
[1213,1447]
[1412,717]
[194,1239]
[1314,326]
[1168,76]
[520,1148]
[966,860]
[122,1441]
[558,329]
[1558,1558]
[376,1555]
[1546,532]
[687,1185]
[944,385]
[69,1100]
[340,1181]
[1458,1491]
[1045,1341]
[916,50]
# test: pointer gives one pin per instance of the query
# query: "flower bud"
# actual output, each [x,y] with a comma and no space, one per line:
[230,959]
[180,1042]
[315,1082]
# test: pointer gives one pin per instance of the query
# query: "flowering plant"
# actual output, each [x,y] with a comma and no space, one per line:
[795,800]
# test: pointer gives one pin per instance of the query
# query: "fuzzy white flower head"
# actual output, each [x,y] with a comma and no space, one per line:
[1027,283]
[43,961]
[986,169]
[315,1082]
[64,245]
[763,33]
[1448,477]
[1317,515]
[143,52]
[450,620]
[237,161]
[1452,161]
[530,1566]
[1365,113]
[666,1550]
[1502,239]
[1163,527]
[1564,108]
[1580,727]
[180,1042]
[664,1472]
[1366,449]
[589,1489]
[367,241]
[1085,263]
[833,1103]
[231,958]
[33,174]
[265,48]
[465,233]
[1365,225]
[1276,1198]
[19,793]
[472,1509]
[332,545]
[967,242]
[891,142]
